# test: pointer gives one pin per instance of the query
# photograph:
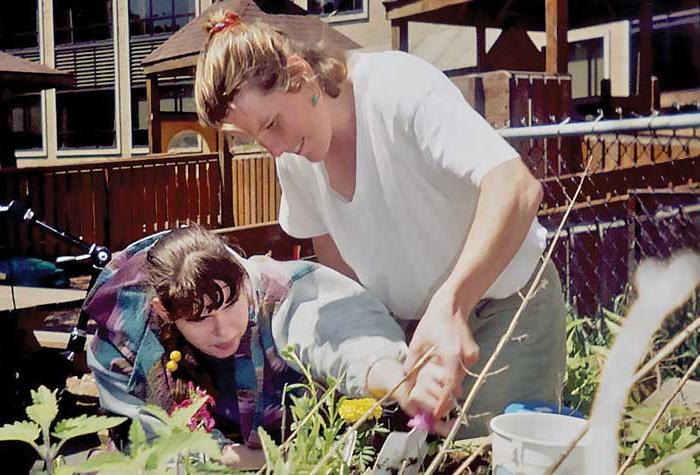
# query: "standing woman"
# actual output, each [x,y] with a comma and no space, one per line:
[401,185]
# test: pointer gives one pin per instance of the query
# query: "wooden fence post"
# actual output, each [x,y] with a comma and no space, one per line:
[225,168]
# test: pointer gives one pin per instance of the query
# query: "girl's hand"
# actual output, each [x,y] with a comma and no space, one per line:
[276,363]
[383,376]
[241,457]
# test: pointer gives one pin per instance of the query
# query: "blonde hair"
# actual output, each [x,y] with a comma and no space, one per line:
[254,54]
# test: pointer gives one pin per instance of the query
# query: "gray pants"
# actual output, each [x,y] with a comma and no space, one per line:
[534,358]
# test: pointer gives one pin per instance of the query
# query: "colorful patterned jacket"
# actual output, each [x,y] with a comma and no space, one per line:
[334,325]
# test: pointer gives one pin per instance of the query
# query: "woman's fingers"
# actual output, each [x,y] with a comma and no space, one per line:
[423,398]
[429,387]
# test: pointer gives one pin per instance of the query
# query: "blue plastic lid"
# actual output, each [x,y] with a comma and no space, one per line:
[542,406]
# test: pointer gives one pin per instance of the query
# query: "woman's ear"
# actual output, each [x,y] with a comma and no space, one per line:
[160,310]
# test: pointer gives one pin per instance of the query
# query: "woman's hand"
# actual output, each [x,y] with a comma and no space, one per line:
[385,374]
[444,327]
[241,457]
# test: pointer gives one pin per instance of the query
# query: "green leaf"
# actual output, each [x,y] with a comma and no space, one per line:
[105,462]
[686,466]
[137,435]
[613,317]
[64,470]
[635,430]
[24,431]
[44,409]
[167,448]
[155,411]
[686,438]
[82,425]
[636,468]
[208,468]
[270,449]
[181,416]
[643,413]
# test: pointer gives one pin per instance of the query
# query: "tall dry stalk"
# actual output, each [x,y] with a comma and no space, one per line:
[509,331]
[662,354]
[661,288]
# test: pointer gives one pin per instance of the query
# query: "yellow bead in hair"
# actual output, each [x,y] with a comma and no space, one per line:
[175,356]
[171,366]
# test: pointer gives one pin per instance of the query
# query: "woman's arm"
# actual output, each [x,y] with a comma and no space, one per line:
[508,202]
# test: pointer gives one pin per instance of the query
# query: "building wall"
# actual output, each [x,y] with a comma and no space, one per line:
[616,51]
[124,74]
[447,47]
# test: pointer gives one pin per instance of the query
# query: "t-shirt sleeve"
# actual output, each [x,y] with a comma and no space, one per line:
[299,213]
[453,136]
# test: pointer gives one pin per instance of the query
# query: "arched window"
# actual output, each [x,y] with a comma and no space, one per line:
[187,141]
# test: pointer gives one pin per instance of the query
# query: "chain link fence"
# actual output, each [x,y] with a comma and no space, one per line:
[640,197]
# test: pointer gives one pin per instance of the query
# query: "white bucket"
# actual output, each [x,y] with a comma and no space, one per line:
[528,443]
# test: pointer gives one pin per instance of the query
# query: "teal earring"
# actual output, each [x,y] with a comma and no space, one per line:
[314,100]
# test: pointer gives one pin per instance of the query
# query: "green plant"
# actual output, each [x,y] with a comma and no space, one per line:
[588,342]
[678,428]
[41,415]
[176,448]
[319,431]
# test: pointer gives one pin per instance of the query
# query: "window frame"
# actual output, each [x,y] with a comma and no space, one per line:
[151,18]
[345,16]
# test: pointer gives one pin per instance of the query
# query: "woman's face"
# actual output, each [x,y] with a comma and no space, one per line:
[284,121]
[218,332]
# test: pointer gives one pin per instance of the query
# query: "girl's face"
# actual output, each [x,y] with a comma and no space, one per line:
[218,332]
[284,121]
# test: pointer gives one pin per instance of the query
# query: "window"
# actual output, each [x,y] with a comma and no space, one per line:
[77,21]
[25,122]
[173,98]
[184,141]
[177,98]
[19,25]
[85,119]
[328,7]
[139,118]
[151,17]
[676,58]
[586,67]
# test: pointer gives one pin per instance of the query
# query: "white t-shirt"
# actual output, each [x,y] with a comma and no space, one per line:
[421,152]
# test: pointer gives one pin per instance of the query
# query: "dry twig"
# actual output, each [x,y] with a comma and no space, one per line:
[640,443]
[669,348]
[465,465]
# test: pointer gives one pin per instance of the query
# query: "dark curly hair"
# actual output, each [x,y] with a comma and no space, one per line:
[182,268]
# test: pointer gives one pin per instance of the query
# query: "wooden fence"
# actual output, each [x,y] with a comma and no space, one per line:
[255,190]
[111,203]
